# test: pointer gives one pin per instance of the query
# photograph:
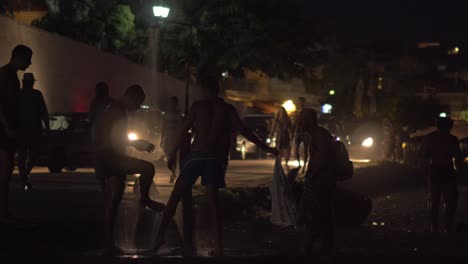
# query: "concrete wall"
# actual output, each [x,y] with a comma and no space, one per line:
[67,70]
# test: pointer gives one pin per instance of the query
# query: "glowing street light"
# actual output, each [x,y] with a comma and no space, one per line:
[443,114]
[161,11]
[289,106]
[332,92]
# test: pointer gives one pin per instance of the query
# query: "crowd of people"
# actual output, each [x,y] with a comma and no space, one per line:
[211,122]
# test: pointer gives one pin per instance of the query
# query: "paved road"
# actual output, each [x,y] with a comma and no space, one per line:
[62,215]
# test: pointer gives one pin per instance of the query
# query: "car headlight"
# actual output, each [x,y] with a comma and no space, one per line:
[132,136]
[368,142]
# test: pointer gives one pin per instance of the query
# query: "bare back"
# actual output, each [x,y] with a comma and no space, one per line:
[212,127]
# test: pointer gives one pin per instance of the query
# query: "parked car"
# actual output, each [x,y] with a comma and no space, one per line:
[260,124]
[68,145]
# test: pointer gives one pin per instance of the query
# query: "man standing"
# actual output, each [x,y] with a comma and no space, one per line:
[212,121]
[299,134]
[97,106]
[172,120]
[9,88]
[439,150]
[111,143]
[32,115]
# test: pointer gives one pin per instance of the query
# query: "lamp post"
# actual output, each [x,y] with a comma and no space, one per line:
[161,13]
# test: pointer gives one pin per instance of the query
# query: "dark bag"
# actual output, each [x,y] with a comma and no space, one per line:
[344,167]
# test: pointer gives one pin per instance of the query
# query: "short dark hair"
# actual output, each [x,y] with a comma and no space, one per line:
[210,83]
[444,123]
[135,92]
[21,51]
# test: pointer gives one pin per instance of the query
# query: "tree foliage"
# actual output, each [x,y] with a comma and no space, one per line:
[107,24]
[233,34]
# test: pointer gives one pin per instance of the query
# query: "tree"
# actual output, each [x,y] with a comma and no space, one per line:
[233,34]
[106,24]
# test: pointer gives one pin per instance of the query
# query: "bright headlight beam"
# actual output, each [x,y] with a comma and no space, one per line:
[368,142]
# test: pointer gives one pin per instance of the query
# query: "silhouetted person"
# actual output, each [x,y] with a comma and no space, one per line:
[97,106]
[32,119]
[212,121]
[439,150]
[319,189]
[298,132]
[112,140]
[172,121]
[282,126]
[9,89]
[100,101]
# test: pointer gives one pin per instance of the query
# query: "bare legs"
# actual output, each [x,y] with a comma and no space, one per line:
[114,188]
[298,142]
[27,156]
[213,199]
[179,190]
[449,193]
[7,159]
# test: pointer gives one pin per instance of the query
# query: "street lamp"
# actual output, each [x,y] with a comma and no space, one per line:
[161,12]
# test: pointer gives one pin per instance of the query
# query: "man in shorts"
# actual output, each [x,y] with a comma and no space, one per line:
[212,121]
[111,143]
[9,90]
[439,150]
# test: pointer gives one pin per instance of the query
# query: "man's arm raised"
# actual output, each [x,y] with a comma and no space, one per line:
[247,133]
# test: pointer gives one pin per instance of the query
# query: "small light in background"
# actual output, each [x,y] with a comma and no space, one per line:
[443,114]
[225,74]
[289,106]
[144,107]
[326,108]
[454,51]
[332,92]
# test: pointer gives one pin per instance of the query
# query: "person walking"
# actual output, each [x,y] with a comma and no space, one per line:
[300,137]
[282,126]
[439,150]
[212,121]
[9,89]
[32,119]
[172,121]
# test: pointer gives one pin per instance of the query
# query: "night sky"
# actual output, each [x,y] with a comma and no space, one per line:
[398,21]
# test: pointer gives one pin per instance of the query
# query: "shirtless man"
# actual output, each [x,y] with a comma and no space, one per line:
[212,121]
[299,134]
[439,149]
[319,188]
[111,143]
[9,90]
